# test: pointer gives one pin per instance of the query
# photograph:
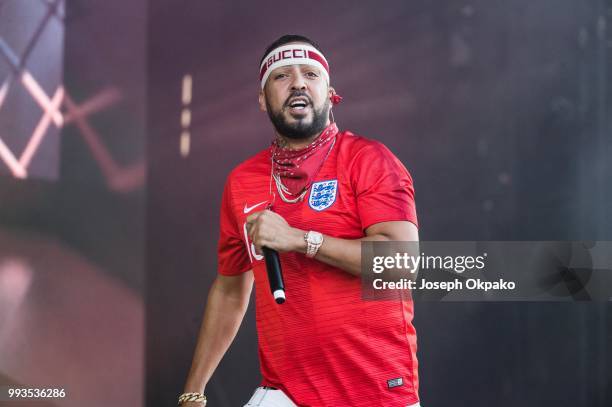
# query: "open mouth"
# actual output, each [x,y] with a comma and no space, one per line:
[298,104]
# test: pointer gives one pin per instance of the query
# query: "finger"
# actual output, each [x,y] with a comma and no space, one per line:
[268,214]
[275,217]
[259,234]
[251,232]
[253,217]
[258,245]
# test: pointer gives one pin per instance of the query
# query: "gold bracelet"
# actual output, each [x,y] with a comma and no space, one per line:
[192,397]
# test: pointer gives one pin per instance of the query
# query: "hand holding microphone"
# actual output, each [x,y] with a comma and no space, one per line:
[270,234]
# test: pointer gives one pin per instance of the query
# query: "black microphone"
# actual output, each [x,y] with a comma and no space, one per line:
[275,274]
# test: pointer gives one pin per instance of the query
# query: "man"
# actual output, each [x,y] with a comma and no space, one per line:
[314,196]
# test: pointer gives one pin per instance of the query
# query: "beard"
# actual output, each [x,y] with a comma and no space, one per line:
[300,129]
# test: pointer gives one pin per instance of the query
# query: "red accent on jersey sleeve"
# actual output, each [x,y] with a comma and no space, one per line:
[233,259]
[383,187]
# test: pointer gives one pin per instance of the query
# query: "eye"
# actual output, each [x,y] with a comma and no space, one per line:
[280,76]
[311,74]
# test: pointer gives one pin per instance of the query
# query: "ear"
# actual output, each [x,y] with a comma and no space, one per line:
[262,101]
[331,92]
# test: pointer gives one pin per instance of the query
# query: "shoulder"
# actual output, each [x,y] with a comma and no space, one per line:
[356,149]
[258,163]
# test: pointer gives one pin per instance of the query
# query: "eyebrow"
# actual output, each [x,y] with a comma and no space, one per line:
[310,67]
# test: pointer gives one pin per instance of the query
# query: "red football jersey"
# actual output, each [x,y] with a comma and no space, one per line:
[325,346]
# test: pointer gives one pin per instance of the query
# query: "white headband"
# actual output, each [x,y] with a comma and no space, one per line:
[292,54]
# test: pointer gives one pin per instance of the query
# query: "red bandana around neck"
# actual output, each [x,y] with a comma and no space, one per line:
[297,168]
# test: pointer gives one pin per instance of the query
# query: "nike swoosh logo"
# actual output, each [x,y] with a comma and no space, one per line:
[248,209]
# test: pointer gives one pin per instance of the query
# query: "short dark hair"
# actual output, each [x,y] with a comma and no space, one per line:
[286,39]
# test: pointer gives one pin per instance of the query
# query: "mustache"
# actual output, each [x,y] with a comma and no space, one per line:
[296,94]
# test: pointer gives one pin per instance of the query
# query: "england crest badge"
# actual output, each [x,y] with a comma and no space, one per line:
[323,194]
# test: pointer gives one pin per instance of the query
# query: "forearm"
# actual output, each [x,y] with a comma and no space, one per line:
[222,318]
[346,253]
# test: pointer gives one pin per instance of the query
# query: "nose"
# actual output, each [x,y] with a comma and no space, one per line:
[298,82]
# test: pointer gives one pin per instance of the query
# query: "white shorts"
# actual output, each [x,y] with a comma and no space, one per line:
[267,397]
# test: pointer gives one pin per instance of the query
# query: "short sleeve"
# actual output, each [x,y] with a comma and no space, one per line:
[233,258]
[383,187]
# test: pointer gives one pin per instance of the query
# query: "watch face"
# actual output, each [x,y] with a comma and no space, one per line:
[316,238]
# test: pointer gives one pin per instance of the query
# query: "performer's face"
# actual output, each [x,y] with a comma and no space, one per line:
[297,100]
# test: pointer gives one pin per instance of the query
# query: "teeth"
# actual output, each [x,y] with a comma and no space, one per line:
[299,103]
